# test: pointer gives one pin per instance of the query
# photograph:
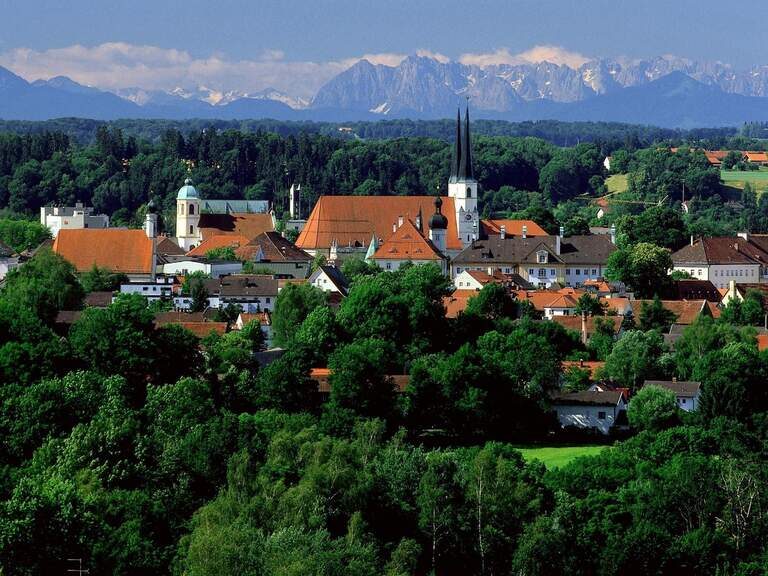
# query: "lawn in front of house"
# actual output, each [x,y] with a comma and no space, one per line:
[557,456]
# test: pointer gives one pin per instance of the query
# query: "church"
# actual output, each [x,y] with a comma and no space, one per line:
[348,225]
[198,219]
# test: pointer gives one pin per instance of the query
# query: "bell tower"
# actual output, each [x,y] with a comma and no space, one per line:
[462,186]
[187,216]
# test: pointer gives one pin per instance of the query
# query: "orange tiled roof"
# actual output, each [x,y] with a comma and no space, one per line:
[574,323]
[203,329]
[618,305]
[322,375]
[218,241]
[513,227]
[593,367]
[352,220]
[407,243]
[685,311]
[119,250]
[762,342]
[262,318]
[240,224]
[456,303]
[541,299]
[757,156]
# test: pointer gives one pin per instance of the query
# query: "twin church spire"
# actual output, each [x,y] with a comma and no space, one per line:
[461,163]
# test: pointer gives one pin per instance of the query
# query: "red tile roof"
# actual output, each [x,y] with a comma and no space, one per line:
[273,248]
[353,220]
[119,250]
[407,243]
[541,299]
[240,224]
[216,241]
[457,302]
[322,375]
[685,311]
[512,227]
[203,329]
[592,367]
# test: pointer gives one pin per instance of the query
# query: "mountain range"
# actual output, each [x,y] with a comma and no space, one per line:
[665,91]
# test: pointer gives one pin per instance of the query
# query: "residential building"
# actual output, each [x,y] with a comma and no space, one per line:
[159,288]
[212,268]
[269,250]
[686,393]
[476,279]
[264,319]
[591,409]
[71,218]
[543,261]
[456,303]
[551,303]
[686,311]
[252,292]
[743,259]
[329,279]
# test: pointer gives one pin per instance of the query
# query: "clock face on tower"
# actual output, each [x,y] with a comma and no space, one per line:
[468,217]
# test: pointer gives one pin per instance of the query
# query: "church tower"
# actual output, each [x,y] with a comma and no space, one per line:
[462,186]
[187,216]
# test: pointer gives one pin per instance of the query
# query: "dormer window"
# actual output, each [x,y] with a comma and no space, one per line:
[541,257]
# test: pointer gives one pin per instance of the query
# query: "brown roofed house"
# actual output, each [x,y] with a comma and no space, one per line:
[116,249]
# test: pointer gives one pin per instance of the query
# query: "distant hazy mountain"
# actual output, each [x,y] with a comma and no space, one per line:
[665,91]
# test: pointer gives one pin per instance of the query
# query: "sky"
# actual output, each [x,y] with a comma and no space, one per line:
[297,45]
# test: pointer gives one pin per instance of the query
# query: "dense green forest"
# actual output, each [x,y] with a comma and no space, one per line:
[136,450]
[519,176]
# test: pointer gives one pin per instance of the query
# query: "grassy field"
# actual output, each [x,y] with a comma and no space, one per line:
[736,179]
[557,456]
[617,183]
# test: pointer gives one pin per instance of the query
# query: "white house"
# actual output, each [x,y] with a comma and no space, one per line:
[71,217]
[329,279]
[214,269]
[263,318]
[600,411]
[686,393]
[742,259]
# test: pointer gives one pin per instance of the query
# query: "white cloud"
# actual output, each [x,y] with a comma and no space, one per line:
[544,53]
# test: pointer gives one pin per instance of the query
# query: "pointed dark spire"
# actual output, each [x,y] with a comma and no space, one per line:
[465,164]
[456,160]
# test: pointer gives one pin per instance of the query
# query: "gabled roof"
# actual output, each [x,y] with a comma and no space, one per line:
[216,241]
[351,220]
[617,304]
[98,299]
[721,250]
[543,299]
[492,227]
[574,323]
[242,224]
[591,367]
[248,285]
[407,243]
[693,289]
[335,275]
[263,318]
[457,302]
[574,250]
[167,247]
[203,329]
[685,311]
[688,389]
[272,247]
[119,250]
[588,398]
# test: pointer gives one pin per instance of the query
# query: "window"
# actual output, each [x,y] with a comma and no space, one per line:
[191,209]
[682,400]
[578,272]
[542,257]
[181,208]
[699,271]
[268,300]
[469,192]
[552,272]
[601,415]
[144,288]
[594,271]
[389,265]
[191,230]
[542,272]
[530,271]
[567,271]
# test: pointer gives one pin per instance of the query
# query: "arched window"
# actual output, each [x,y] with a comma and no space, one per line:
[191,230]
[191,209]
[469,192]
[181,208]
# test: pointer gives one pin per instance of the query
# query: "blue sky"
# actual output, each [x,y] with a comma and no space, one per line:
[310,41]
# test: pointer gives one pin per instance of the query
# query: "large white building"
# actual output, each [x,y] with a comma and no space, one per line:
[742,259]
[71,218]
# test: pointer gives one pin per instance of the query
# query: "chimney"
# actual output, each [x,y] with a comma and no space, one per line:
[744,235]
[691,239]
[581,362]
[613,234]
[503,233]
[399,221]
[394,226]
[525,231]
[584,328]
[418,221]
[558,240]
[674,379]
